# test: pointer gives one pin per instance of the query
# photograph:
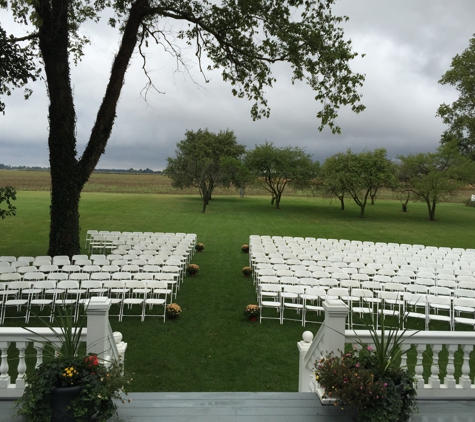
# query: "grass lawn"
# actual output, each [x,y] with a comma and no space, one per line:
[211,347]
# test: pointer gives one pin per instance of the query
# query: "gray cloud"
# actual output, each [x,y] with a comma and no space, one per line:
[408,46]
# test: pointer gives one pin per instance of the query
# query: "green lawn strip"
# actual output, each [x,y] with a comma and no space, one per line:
[211,347]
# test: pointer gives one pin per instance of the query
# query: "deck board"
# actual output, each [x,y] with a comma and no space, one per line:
[253,407]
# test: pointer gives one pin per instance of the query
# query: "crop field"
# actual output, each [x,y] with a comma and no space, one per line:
[211,346]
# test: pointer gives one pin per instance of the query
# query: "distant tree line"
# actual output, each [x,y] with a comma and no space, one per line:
[207,160]
[38,168]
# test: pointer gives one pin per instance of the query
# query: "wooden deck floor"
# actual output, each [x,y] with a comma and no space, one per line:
[253,407]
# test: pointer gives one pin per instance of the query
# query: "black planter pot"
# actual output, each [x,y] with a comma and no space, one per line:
[61,398]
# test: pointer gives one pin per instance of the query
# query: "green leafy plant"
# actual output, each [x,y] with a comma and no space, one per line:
[469,202]
[199,247]
[192,269]
[252,311]
[247,270]
[245,248]
[370,379]
[63,366]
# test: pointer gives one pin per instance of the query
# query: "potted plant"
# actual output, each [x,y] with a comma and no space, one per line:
[247,271]
[68,385]
[252,312]
[245,248]
[192,269]
[370,379]
[173,310]
[199,247]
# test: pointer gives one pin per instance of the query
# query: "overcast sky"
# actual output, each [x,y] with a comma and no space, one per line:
[409,44]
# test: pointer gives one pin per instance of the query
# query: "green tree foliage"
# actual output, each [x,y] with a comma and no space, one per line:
[206,160]
[460,115]
[333,177]
[358,175]
[7,195]
[16,66]
[275,168]
[242,39]
[432,177]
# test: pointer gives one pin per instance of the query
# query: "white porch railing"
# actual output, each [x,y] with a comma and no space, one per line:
[332,337]
[98,336]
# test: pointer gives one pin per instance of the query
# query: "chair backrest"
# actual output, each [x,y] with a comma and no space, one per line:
[79,276]
[464,293]
[10,277]
[67,284]
[417,288]
[464,302]
[438,290]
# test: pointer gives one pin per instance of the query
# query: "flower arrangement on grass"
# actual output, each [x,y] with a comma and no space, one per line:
[245,248]
[252,311]
[96,383]
[173,310]
[370,380]
[247,271]
[192,269]
[199,247]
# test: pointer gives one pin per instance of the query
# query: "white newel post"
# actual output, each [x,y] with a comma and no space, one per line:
[304,373]
[335,324]
[330,338]
[98,341]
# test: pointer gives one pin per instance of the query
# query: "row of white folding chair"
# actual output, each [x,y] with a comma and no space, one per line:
[329,260]
[72,293]
[298,298]
[170,273]
[364,259]
[55,272]
[346,242]
[357,254]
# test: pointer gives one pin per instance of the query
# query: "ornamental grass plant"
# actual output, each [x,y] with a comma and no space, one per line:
[369,379]
[100,383]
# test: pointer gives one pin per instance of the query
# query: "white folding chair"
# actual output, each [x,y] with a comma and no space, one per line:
[439,308]
[158,296]
[135,295]
[291,299]
[269,297]
[313,298]
[464,311]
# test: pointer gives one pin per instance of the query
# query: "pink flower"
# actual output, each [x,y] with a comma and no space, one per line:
[357,365]
[369,348]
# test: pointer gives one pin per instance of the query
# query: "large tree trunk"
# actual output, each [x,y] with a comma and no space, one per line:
[65,187]
[68,175]
[342,202]
[372,194]
[431,206]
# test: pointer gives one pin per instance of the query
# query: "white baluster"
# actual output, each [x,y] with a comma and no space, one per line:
[434,380]
[404,360]
[20,381]
[449,378]
[39,353]
[4,377]
[464,380]
[419,368]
